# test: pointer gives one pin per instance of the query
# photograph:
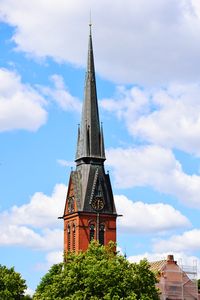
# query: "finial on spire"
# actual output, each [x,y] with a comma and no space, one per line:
[90,23]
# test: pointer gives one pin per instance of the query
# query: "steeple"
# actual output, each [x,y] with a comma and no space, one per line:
[90,146]
[90,211]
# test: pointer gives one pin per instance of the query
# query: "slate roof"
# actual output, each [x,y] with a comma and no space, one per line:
[89,176]
[90,135]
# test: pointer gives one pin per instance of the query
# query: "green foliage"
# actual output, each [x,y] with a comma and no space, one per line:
[98,273]
[12,286]
[27,297]
[198,284]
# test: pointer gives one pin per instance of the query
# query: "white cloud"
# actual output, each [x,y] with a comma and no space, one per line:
[54,257]
[188,241]
[166,47]
[29,292]
[128,104]
[149,256]
[65,163]
[36,223]
[167,117]
[40,212]
[51,258]
[176,120]
[142,217]
[155,167]
[21,106]
[61,95]
[23,236]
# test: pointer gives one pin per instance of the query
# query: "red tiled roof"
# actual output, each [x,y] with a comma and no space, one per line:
[157,265]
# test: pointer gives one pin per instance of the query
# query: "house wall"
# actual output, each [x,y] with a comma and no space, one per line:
[175,284]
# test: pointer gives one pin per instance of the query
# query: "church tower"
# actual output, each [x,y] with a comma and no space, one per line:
[89,210]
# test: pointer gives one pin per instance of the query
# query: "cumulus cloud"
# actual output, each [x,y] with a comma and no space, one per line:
[24,236]
[21,106]
[60,94]
[36,223]
[139,217]
[166,47]
[42,210]
[155,167]
[167,117]
[54,257]
[187,241]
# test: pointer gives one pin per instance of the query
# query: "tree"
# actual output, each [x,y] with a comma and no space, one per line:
[12,286]
[27,297]
[98,273]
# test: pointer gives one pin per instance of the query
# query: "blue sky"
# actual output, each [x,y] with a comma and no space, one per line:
[147,58]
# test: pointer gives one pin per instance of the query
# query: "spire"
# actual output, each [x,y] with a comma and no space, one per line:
[102,142]
[90,137]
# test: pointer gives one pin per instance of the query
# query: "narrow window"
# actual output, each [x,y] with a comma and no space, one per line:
[74,237]
[101,234]
[92,231]
[68,237]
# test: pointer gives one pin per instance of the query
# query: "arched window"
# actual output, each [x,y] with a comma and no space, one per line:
[74,237]
[101,234]
[68,237]
[92,232]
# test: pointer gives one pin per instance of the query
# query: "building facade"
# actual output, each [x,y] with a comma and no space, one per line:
[176,282]
[89,209]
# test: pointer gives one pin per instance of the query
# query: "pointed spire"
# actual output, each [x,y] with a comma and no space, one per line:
[102,142]
[90,140]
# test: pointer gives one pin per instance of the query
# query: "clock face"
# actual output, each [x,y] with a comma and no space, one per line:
[97,203]
[71,204]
